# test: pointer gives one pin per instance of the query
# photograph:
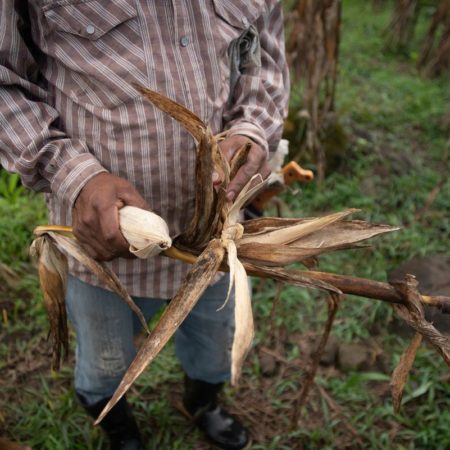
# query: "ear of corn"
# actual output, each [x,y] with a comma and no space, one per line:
[146,232]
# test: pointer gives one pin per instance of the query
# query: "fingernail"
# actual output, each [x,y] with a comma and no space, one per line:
[215,177]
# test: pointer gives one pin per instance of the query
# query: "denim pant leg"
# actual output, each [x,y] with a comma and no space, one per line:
[104,335]
[203,341]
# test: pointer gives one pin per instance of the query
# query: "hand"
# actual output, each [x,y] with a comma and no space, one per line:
[256,163]
[96,215]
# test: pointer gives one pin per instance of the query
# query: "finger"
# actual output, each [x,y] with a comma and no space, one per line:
[243,176]
[111,234]
[80,228]
[98,231]
[230,145]
[264,172]
[86,229]
[254,164]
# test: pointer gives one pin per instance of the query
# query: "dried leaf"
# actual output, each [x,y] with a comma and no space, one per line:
[342,234]
[295,232]
[103,272]
[232,263]
[193,124]
[246,194]
[196,281]
[239,158]
[209,159]
[52,268]
[402,370]
[264,224]
[329,237]
[199,230]
[294,277]
[243,318]
[276,255]
[10,277]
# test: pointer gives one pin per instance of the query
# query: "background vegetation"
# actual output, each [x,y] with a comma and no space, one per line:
[392,162]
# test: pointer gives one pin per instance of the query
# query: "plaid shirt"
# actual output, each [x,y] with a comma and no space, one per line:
[68,110]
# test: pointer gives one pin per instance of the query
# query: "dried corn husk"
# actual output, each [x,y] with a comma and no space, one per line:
[52,267]
[146,232]
[294,233]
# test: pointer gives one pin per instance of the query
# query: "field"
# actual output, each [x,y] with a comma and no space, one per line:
[392,163]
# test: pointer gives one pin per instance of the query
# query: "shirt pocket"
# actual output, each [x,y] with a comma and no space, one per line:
[97,48]
[239,15]
[231,18]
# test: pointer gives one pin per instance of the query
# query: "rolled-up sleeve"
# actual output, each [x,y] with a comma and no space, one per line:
[31,144]
[260,100]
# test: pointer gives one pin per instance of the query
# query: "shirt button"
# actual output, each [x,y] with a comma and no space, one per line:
[90,29]
[245,21]
[184,41]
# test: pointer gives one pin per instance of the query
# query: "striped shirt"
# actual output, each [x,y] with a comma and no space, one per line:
[68,109]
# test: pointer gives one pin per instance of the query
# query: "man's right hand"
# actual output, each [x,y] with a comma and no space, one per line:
[95,215]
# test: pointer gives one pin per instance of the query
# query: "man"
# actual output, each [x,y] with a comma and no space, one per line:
[74,127]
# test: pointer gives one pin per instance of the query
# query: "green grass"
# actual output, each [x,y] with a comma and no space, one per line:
[394,157]
[18,216]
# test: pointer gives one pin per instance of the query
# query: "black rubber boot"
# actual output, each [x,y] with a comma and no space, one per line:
[119,424]
[220,427]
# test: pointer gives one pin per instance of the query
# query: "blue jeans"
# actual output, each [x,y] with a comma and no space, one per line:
[105,327]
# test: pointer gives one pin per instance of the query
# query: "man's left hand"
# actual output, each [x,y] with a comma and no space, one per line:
[256,163]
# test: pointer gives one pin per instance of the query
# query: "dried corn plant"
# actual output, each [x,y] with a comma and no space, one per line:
[434,59]
[402,25]
[313,49]
[214,240]
[435,55]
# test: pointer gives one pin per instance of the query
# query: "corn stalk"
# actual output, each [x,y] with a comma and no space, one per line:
[401,28]
[435,55]
[214,240]
[313,50]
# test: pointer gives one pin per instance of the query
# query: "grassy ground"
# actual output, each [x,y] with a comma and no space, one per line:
[395,157]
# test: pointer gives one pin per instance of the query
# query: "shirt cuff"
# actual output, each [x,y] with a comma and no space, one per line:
[252,131]
[73,175]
